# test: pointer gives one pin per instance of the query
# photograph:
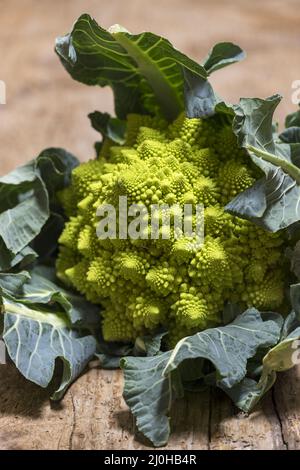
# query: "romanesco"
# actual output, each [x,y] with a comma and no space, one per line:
[141,283]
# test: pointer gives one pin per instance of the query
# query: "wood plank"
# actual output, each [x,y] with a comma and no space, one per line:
[234,430]
[287,402]
[93,415]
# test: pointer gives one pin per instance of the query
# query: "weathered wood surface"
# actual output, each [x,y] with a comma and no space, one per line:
[93,415]
[45,108]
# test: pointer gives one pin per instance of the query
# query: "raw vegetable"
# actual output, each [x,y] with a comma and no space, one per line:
[175,317]
[144,284]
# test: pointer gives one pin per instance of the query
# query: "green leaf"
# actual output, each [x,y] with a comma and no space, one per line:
[293,119]
[10,261]
[25,208]
[27,197]
[111,352]
[230,312]
[291,135]
[221,55]
[45,243]
[152,383]
[109,127]
[43,323]
[273,201]
[229,347]
[149,345]
[41,289]
[295,295]
[144,70]
[11,283]
[253,122]
[34,340]
[283,356]
[149,394]
[55,166]
[247,394]
[200,99]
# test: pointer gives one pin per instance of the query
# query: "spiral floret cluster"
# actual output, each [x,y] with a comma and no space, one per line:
[143,284]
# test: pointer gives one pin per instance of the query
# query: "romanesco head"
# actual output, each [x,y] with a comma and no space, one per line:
[168,281]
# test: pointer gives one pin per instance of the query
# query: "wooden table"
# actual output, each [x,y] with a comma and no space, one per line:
[93,415]
[46,108]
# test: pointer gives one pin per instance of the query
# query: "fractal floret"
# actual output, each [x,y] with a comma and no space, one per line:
[144,283]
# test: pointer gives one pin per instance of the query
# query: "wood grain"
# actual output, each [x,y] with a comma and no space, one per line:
[46,108]
[93,415]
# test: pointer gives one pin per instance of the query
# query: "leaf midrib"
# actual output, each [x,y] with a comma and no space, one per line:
[165,94]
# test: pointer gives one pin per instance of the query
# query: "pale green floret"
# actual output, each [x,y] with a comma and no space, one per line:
[174,282]
[190,310]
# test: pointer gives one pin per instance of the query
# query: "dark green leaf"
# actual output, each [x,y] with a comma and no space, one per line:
[55,166]
[45,243]
[11,283]
[10,261]
[152,383]
[144,70]
[293,119]
[273,201]
[221,55]
[111,352]
[247,393]
[228,347]
[149,394]
[295,293]
[291,135]
[42,323]
[200,99]
[149,345]
[281,357]
[230,312]
[112,128]
[294,257]
[27,195]
[108,362]
[41,289]
[34,340]
[25,208]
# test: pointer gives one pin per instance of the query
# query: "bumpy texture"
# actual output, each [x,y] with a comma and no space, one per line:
[143,284]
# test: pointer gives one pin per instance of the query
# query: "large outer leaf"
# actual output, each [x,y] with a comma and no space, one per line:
[144,70]
[34,340]
[274,201]
[24,210]
[41,289]
[149,394]
[152,383]
[27,197]
[228,347]
[281,357]
[42,323]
